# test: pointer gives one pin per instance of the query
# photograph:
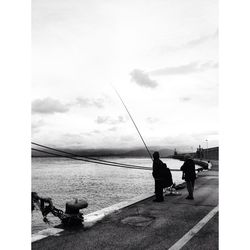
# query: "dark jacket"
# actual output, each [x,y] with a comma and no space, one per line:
[167,177]
[188,168]
[158,169]
[162,173]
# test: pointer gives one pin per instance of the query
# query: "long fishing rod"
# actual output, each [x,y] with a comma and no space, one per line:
[133,122]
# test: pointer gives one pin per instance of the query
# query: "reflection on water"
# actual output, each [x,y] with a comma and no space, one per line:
[102,186]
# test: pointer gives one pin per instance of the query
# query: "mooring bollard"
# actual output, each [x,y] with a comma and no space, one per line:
[73,207]
[73,216]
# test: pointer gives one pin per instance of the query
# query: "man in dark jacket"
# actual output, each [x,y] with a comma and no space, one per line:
[188,169]
[158,174]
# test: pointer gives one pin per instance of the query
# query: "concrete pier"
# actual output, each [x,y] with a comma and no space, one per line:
[174,224]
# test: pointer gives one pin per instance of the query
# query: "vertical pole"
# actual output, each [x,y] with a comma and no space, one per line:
[207,148]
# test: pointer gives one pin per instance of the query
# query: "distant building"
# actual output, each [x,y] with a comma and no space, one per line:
[199,152]
[175,152]
[212,153]
[202,154]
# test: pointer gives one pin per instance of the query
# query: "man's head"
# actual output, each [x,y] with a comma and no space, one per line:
[156,155]
[187,156]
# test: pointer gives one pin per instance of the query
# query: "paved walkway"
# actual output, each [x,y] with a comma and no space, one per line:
[150,225]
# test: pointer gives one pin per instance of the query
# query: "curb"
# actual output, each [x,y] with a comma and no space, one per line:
[92,218]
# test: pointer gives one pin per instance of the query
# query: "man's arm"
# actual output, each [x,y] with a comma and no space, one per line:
[183,167]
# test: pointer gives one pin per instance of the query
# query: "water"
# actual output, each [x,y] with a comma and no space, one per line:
[102,186]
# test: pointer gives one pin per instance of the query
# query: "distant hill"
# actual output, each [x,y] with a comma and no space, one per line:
[133,152]
[143,153]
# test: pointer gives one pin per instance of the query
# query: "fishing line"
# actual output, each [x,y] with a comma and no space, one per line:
[74,158]
[133,122]
[87,157]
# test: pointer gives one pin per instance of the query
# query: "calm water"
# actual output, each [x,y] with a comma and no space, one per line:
[102,186]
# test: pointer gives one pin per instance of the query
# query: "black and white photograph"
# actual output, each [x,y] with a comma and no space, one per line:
[124,124]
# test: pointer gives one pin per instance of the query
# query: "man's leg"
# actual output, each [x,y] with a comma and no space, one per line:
[159,190]
[190,189]
[193,181]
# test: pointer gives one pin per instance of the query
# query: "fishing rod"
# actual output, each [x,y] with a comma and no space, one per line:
[133,121]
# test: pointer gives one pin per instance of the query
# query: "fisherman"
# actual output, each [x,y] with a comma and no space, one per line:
[189,175]
[158,174]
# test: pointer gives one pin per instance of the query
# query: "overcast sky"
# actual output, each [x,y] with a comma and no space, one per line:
[161,55]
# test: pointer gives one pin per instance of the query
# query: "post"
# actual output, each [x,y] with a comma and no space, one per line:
[207,148]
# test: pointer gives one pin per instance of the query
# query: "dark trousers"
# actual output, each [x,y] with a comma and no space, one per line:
[190,187]
[158,190]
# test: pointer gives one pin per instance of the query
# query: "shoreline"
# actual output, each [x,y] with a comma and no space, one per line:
[96,216]
[148,225]
[92,218]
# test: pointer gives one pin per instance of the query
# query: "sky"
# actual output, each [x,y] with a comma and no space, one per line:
[160,55]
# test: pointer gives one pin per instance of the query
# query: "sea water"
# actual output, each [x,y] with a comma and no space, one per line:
[102,186]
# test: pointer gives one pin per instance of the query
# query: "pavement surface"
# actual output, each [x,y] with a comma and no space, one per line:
[152,225]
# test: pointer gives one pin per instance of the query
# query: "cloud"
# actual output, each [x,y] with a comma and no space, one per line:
[112,129]
[92,133]
[86,102]
[188,142]
[127,138]
[69,140]
[193,67]
[96,131]
[142,79]
[51,106]
[200,40]
[48,106]
[109,120]
[205,134]
[152,120]
[187,45]
[36,125]
[102,119]
[185,99]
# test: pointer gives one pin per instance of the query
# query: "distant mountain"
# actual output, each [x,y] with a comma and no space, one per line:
[132,152]
[142,152]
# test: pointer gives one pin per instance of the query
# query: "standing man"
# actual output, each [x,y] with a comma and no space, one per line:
[188,169]
[158,171]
